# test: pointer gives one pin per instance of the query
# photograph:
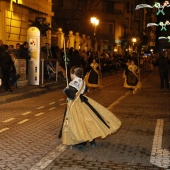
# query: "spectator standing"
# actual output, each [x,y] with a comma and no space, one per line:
[84,61]
[24,54]
[10,48]
[163,70]
[75,59]
[17,47]
[1,49]
[13,76]
[6,62]
[1,46]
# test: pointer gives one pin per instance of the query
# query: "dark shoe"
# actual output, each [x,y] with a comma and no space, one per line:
[80,145]
[93,144]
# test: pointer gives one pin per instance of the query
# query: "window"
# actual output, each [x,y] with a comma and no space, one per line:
[80,4]
[128,7]
[60,4]
[110,7]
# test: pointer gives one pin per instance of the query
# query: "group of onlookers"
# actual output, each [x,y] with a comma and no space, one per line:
[8,54]
[80,58]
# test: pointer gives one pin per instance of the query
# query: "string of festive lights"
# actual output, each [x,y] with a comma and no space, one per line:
[156,5]
[160,10]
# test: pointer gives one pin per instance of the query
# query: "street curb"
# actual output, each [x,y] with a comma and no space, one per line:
[30,93]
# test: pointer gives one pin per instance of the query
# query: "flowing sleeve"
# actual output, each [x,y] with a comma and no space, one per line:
[70,92]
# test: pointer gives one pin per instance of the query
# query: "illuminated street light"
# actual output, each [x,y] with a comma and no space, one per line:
[133,40]
[95,23]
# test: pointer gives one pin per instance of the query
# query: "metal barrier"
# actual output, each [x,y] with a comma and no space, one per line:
[43,66]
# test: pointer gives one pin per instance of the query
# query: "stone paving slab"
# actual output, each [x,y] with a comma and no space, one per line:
[123,150]
[130,148]
[25,144]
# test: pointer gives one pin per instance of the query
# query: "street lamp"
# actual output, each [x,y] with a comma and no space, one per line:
[134,50]
[95,23]
[134,41]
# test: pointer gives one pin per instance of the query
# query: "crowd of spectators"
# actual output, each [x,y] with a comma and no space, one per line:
[84,58]
[80,58]
[8,54]
[107,61]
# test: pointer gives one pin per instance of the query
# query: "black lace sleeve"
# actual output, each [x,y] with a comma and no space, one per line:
[70,92]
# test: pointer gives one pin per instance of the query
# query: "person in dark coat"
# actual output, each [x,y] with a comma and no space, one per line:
[75,59]
[13,76]
[163,70]
[5,63]
[17,47]
[1,46]
[24,54]
[1,50]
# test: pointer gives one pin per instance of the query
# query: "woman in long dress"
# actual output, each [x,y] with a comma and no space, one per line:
[132,77]
[84,119]
[93,77]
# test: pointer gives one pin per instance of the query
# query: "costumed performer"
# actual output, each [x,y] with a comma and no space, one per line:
[93,77]
[132,77]
[84,118]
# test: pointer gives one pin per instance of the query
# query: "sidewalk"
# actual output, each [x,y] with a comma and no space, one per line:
[28,91]
[31,91]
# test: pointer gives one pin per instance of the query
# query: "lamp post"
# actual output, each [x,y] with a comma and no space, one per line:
[133,44]
[95,23]
[134,40]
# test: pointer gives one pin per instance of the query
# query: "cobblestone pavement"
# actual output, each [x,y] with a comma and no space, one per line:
[29,129]
[133,146]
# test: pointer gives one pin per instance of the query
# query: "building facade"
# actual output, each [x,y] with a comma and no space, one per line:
[17,16]
[119,22]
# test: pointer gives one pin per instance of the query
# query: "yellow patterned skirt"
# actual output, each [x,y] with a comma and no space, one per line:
[81,124]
